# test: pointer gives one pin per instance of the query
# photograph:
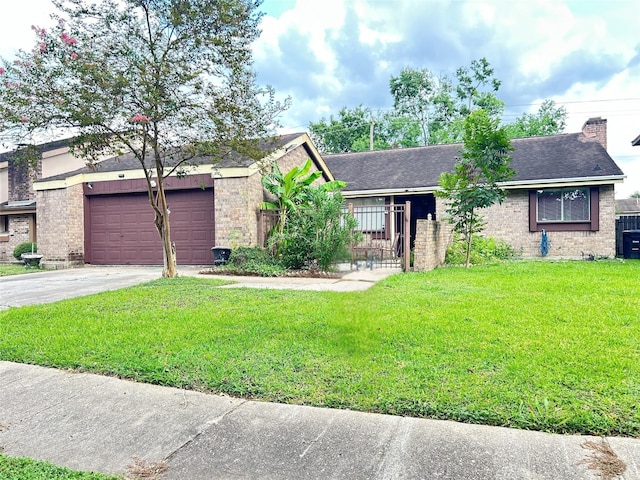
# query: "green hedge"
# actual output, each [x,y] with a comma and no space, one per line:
[25,247]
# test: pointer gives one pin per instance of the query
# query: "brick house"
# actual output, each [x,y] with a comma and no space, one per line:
[564,184]
[17,196]
[102,215]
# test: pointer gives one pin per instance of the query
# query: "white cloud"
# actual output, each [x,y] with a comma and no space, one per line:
[338,53]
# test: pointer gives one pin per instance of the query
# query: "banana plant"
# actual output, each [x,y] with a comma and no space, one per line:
[292,189]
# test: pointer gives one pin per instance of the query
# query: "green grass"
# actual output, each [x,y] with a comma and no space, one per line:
[14,468]
[534,345]
[16,269]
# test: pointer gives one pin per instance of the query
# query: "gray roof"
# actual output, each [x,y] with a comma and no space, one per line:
[534,159]
[628,205]
[42,148]
[130,162]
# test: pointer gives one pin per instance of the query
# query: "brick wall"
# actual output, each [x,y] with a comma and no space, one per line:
[19,232]
[510,222]
[20,178]
[237,202]
[433,238]
[60,216]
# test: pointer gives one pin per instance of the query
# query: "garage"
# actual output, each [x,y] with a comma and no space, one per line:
[119,228]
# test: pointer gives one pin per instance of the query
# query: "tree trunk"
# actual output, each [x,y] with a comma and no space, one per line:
[164,229]
[469,238]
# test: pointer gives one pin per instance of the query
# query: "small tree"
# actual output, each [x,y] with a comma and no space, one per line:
[292,189]
[167,81]
[318,231]
[473,185]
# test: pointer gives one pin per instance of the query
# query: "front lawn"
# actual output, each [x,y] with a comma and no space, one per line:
[14,468]
[551,346]
[15,269]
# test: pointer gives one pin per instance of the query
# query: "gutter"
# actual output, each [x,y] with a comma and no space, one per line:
[514,185]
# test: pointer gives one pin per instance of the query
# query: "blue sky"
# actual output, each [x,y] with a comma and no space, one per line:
[326,54]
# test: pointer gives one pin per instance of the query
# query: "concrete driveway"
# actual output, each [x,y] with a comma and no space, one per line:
[54,285]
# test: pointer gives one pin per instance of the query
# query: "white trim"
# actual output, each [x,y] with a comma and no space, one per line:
[562,182]
[522,184]
[387,192]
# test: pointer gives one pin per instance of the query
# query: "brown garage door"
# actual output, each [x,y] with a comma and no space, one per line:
[121,229]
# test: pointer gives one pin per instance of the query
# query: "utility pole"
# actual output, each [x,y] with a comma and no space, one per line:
[371,135]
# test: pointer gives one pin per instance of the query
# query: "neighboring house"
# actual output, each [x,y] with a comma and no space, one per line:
[17,197]
[628,206]
[564,184]
[102,215]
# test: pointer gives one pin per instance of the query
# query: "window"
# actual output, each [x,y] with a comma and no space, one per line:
[563,205]
[4,223]
[564,209]
[370,212]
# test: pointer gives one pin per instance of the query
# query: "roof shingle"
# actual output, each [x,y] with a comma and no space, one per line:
[535,158]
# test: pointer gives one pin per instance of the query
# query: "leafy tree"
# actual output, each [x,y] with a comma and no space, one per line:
[469,90]
[549,120]
[318,231]
[473,185]
[338,135]
[351,130]
[413,93]
[168,81]
[291,190]
[399,131]
[311,226]
[635,194]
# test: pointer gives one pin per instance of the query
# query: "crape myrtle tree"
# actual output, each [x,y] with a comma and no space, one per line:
[167,81]
[474,183]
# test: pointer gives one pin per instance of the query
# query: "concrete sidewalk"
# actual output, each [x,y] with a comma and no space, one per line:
[90,422]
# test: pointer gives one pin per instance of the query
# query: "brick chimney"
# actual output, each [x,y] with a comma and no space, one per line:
[596,129]
[22,173]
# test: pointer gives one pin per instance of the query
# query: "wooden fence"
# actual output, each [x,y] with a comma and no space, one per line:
[625,222]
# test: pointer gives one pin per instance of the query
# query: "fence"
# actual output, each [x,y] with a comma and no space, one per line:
[625,222]
[384,234]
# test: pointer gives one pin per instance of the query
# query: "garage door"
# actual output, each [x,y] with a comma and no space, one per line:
[121,231]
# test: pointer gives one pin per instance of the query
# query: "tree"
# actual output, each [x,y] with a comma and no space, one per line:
[549,120]
[413,93]
[473,184]
[291,190]
[337,135]
[427,110]
[351,131]
[318,231]
[471,81]
[168,81]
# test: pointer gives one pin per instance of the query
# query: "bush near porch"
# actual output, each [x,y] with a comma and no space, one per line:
[549,346]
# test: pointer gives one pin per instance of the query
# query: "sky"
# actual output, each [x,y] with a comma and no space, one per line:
[328,54]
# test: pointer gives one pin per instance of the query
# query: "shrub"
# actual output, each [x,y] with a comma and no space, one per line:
[24,248]
[317,233]
[254,260]
[483,250]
